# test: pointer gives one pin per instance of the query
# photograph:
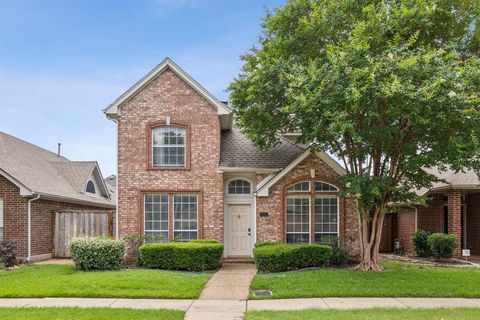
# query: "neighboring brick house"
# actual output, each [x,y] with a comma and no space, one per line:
[185,171]
[453,207]
[35,185]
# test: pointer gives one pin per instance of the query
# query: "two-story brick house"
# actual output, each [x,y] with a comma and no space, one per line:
[185,171]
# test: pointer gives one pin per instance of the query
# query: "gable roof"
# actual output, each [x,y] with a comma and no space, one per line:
[466,180]
[38,171]
[237,151]
[112,109]
[263,186]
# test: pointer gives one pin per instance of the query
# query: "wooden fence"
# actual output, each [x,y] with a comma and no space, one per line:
[69,225]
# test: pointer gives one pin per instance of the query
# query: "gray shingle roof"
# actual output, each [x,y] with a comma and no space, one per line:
[468,179]
[42,171]
[237,151]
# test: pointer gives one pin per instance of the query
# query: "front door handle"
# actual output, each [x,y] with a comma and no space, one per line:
[249,231]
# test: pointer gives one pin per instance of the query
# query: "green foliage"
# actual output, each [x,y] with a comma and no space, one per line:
[339,257]
[265,243]
[204,241]
[191,256]
[391,88]
[284,257]
[8,254]
[97,253]
[134,242]
[420,242]
[442,245]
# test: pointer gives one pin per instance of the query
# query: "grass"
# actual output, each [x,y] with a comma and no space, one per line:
[65,281]
[368,314]
[397,280]
[88,314]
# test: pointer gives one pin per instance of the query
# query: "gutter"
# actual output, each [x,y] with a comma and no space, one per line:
[29,227]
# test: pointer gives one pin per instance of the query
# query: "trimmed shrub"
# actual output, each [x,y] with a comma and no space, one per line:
[442,245]
[190,256]
[265,243]
[284,257]
[97,253]
[8,254]
[420,242]
[204,241]
[339,257]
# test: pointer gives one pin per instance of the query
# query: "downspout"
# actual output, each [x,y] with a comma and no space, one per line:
[116,180]
[29,227]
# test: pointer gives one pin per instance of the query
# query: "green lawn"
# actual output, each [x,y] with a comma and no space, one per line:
[369,314]
[65,281]
[397,280]
[88,314]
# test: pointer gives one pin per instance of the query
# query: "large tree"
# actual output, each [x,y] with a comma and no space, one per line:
[390,88]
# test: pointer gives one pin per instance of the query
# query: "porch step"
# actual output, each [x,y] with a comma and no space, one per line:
[245,260]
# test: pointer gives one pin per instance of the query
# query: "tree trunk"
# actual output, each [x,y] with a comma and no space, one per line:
[371,235]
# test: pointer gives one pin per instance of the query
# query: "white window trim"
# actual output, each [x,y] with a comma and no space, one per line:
[299,191]
[299,196]
[144,211]
[173,213]
[338,214]
[172,146]
[227,183]
[332,191]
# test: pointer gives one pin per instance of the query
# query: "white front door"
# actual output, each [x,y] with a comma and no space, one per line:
[239,230]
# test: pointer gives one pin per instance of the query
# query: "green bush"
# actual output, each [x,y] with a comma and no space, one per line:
[420,242]
[442,245]
[339,257]
[284,257]
[97,253]
[191,256]
[265,243]
[204,241]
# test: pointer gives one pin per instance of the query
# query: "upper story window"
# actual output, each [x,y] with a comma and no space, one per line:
[299,187]
[239,187]
[90,187]
[323,186]
[168,146]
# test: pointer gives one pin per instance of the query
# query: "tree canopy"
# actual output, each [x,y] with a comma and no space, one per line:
[390,88]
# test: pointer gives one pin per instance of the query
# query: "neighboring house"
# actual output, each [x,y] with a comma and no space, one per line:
[453,207]
[41,196]
[186,172]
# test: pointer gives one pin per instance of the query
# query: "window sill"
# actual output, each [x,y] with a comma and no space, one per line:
[168,168]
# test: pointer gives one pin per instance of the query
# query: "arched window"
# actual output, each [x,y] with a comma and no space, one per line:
[90,187]
[323,186]
[239,186]
[299,187]
[299,204]
[168,146]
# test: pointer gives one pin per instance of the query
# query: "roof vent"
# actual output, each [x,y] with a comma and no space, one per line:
[58,150]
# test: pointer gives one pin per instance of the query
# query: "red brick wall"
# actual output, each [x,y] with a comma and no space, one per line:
[473,222]
[272,228]
[15,211]
[406,228]
[169,95]
[430,218]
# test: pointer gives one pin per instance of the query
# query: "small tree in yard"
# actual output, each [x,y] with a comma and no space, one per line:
[390,88]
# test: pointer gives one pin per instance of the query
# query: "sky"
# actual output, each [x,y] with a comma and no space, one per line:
[62,62]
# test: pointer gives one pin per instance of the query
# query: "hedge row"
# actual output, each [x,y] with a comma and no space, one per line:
[437,245]
[278,257]
[195,255]
[97,253]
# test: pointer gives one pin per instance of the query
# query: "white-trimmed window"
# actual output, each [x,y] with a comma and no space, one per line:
[1,219]
[326,219]
[185,213]
[299,187]
[168,146]
[90,188]
[298,219]
[324,187]
[156,215]
[239,186]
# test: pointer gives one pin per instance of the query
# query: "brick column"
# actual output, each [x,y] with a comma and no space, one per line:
[454,219]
